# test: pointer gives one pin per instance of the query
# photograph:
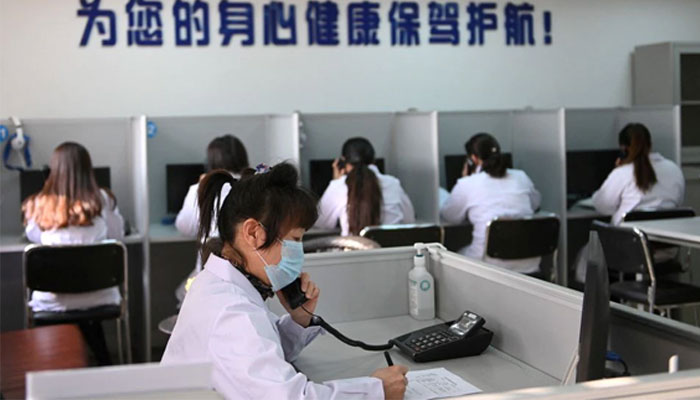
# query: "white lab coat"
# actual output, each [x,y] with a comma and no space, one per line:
[396,206]
[187,223]
[108,225]
[481,198]
[620,194]
[224,320]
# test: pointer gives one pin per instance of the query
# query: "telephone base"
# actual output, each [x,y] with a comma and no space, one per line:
[472,345]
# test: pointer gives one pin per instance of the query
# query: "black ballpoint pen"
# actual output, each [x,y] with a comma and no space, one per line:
[388,358]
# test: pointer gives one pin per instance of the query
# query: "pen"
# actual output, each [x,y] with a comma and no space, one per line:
[388,358]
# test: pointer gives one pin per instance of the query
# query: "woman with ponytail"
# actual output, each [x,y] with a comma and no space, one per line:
[224,319]
[642,180]
[226,153]
[360,195]
[489,189]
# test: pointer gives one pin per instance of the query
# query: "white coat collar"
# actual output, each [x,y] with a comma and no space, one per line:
[223,269]
[374,169]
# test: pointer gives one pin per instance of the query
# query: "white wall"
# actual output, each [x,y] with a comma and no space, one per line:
[44,73]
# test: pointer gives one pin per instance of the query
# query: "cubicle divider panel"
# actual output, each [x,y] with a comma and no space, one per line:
[324,135]
[591,129]
[359,285]
[10,215]
[539,150]
[184,140]
[282,136]
[106,139]
[455,128]
[414,160]
[663,123]
[646,341]
[534,321]
[138,166]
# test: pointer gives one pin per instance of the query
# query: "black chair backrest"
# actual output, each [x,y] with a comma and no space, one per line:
[403,235]
[74,268]
[595,320]
[335,243]
[512,239]
[645,215]
[623,248]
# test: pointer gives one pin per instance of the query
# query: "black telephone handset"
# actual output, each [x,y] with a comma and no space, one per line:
[471,167]
[462,337]
[293,294]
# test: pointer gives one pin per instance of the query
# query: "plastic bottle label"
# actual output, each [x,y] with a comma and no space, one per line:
[425,286]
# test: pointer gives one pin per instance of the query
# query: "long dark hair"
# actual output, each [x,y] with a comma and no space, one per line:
[486,148]
[70,196]
[364,191]
[636,139]
[227,152]
[274,198]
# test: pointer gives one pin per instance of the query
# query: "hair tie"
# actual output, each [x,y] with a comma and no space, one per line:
[262,168]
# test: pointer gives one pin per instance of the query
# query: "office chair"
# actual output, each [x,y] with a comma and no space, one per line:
[669,266]
[627,251]
[80,269]
[339,243]
[518,238]
[403,235]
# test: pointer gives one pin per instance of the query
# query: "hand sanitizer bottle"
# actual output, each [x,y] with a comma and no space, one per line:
[421,288]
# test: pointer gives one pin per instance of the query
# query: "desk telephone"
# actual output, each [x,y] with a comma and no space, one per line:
[462,337]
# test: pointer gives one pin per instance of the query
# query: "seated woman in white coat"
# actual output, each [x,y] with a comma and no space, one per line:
[359,195]
[224,319]
[642,180]
[72,209]
[224,152]
[489,190]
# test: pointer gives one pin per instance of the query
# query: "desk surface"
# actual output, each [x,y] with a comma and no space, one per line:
[326,358]
[577,212]
[159,233]
[43,348]
[17,243]
[683,231]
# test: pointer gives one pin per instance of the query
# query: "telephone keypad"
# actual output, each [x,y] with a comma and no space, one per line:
[431,339]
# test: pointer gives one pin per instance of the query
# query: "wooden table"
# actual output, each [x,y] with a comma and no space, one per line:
[37,349]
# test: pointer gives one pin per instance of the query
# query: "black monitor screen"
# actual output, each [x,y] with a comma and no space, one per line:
[32,181]
[455,163]
[179,178]
[586,171]
[321,173]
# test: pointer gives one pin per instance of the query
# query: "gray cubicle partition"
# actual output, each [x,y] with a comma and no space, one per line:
[414,155]
[183,140]
[598,128]
[401,139]
[539,150]
[534,321]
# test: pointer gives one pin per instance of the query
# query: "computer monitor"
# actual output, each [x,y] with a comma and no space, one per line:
[586,171]
[455,163]
[32,181]
[595,320]
[179,178]
[321,173]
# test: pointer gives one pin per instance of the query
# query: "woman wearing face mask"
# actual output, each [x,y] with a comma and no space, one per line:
[224,318]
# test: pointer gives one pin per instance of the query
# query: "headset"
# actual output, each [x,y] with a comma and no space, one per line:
[18,142]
